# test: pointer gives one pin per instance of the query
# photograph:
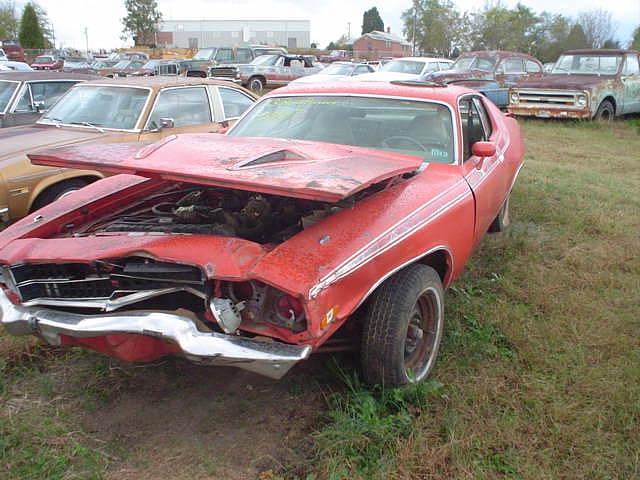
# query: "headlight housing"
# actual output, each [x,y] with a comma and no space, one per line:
[581,100]
[514,98]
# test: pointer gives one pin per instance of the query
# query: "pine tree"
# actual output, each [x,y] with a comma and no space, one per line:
[31,35]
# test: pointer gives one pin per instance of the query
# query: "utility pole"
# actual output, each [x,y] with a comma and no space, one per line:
[86,38]
[415,17]
[348,30]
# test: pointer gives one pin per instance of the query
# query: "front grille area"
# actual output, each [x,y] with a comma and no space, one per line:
[168,69]
[102,279]
[226,72]
[547,97]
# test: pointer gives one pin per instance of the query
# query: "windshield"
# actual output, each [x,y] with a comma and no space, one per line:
[477,63]
[151,64]
[403,66]
[412,127]
[122,64]
[204,54]
[43,60]
[102,106]
[588,64]
[6,91]
[338,69]
[265,60]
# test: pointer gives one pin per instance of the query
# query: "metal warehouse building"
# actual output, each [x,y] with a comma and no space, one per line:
[229,33]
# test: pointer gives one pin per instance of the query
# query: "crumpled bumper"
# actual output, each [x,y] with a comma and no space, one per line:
[272,359]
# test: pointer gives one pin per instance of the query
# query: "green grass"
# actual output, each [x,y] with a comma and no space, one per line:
[538,376]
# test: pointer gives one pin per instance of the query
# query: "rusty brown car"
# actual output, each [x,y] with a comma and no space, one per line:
[598,84]
[133,109]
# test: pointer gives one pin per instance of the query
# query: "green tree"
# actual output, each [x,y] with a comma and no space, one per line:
[8,20]
[553,33]
[31,35]
[45,25]
[635,40]
[371,21]
[438,26]
[141,22]
[577,38]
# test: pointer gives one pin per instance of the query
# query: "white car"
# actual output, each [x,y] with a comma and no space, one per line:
[407,68]
[10,66]
[3,56]
[337,71]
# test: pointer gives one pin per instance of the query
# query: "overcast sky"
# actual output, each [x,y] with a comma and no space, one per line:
[329,18]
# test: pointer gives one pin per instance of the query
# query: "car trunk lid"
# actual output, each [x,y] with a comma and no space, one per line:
[290,168]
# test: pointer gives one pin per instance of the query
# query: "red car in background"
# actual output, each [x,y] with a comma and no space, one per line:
[47,62]
[344,206]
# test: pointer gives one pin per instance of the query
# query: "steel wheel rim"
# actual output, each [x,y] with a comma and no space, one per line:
[420,346]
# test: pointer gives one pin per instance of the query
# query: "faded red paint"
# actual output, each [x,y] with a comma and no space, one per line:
[335,263]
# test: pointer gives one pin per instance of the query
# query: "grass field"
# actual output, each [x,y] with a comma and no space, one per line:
[539,376]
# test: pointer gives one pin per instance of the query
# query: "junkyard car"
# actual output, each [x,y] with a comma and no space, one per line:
[24,96]
[267,71]
[407,68]
[598,84]
[13,50]
[11,66]
[77,65]
[122,69]
[490,72]
[345,204]
[205,58]
[47,62]
[337,71]
[136,108]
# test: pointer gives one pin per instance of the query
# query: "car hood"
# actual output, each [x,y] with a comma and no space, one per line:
[384,77]
[567,81]
[320,77]
[18,141]
[448,76]
[299,169]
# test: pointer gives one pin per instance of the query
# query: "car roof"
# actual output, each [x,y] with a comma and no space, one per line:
[22,76]
[424,59]
[158,82]
[599,51]
[419,91]
[496,53]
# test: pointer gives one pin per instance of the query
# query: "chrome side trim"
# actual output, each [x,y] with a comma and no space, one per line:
[272,359]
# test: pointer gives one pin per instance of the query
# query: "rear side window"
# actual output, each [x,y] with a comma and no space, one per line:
[444,65]
[186,106]
[512,65]
[234,102]
[532,67]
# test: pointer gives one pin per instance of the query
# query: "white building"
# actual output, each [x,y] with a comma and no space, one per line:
[230,33]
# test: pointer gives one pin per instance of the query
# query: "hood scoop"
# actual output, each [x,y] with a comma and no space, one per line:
[290,168]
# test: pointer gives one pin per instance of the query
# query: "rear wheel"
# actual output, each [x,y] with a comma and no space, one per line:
[605,113]
[57,191]
[403,328]
[503,220]
[256,84]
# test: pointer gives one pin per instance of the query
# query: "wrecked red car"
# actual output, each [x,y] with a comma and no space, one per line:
[327,212]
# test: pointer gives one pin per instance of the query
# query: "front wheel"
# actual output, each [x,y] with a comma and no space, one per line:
[256,84]
[403,328]
[605,113]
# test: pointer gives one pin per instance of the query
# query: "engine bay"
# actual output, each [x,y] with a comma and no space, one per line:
[252,216]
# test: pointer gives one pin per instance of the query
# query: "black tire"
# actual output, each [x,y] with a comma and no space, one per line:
[503,220]
[395,348]
[256,84]
[605,113]
[56,191]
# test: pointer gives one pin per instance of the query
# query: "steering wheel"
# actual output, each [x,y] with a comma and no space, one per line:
[385,142]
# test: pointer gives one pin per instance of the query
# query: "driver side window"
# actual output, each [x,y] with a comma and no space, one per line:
[473,130]
[186,106]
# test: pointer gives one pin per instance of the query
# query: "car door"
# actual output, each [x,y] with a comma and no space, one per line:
[35,98]
[485,176]
[179,110]
[631,84]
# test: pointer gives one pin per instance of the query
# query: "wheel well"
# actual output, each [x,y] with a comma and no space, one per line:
[87,178]
[440,261]
[613,102]
[261,77]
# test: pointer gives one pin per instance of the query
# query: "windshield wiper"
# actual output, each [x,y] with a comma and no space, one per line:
[87,124]
[57,121]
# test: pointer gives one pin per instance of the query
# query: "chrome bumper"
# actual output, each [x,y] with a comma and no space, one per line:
[4,214]
[272,359]
[237,81]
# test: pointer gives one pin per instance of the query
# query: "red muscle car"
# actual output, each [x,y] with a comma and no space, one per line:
[340,206]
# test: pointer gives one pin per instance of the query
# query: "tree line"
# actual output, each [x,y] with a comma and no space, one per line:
[33,28]
[438,28]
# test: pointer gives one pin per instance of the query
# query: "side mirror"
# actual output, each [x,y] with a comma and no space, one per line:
[38,105]
[167,123]
[483,149]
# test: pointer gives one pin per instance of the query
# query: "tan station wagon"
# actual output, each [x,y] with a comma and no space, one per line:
[143,109]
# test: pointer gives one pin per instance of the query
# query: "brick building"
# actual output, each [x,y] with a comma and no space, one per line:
[375,45]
